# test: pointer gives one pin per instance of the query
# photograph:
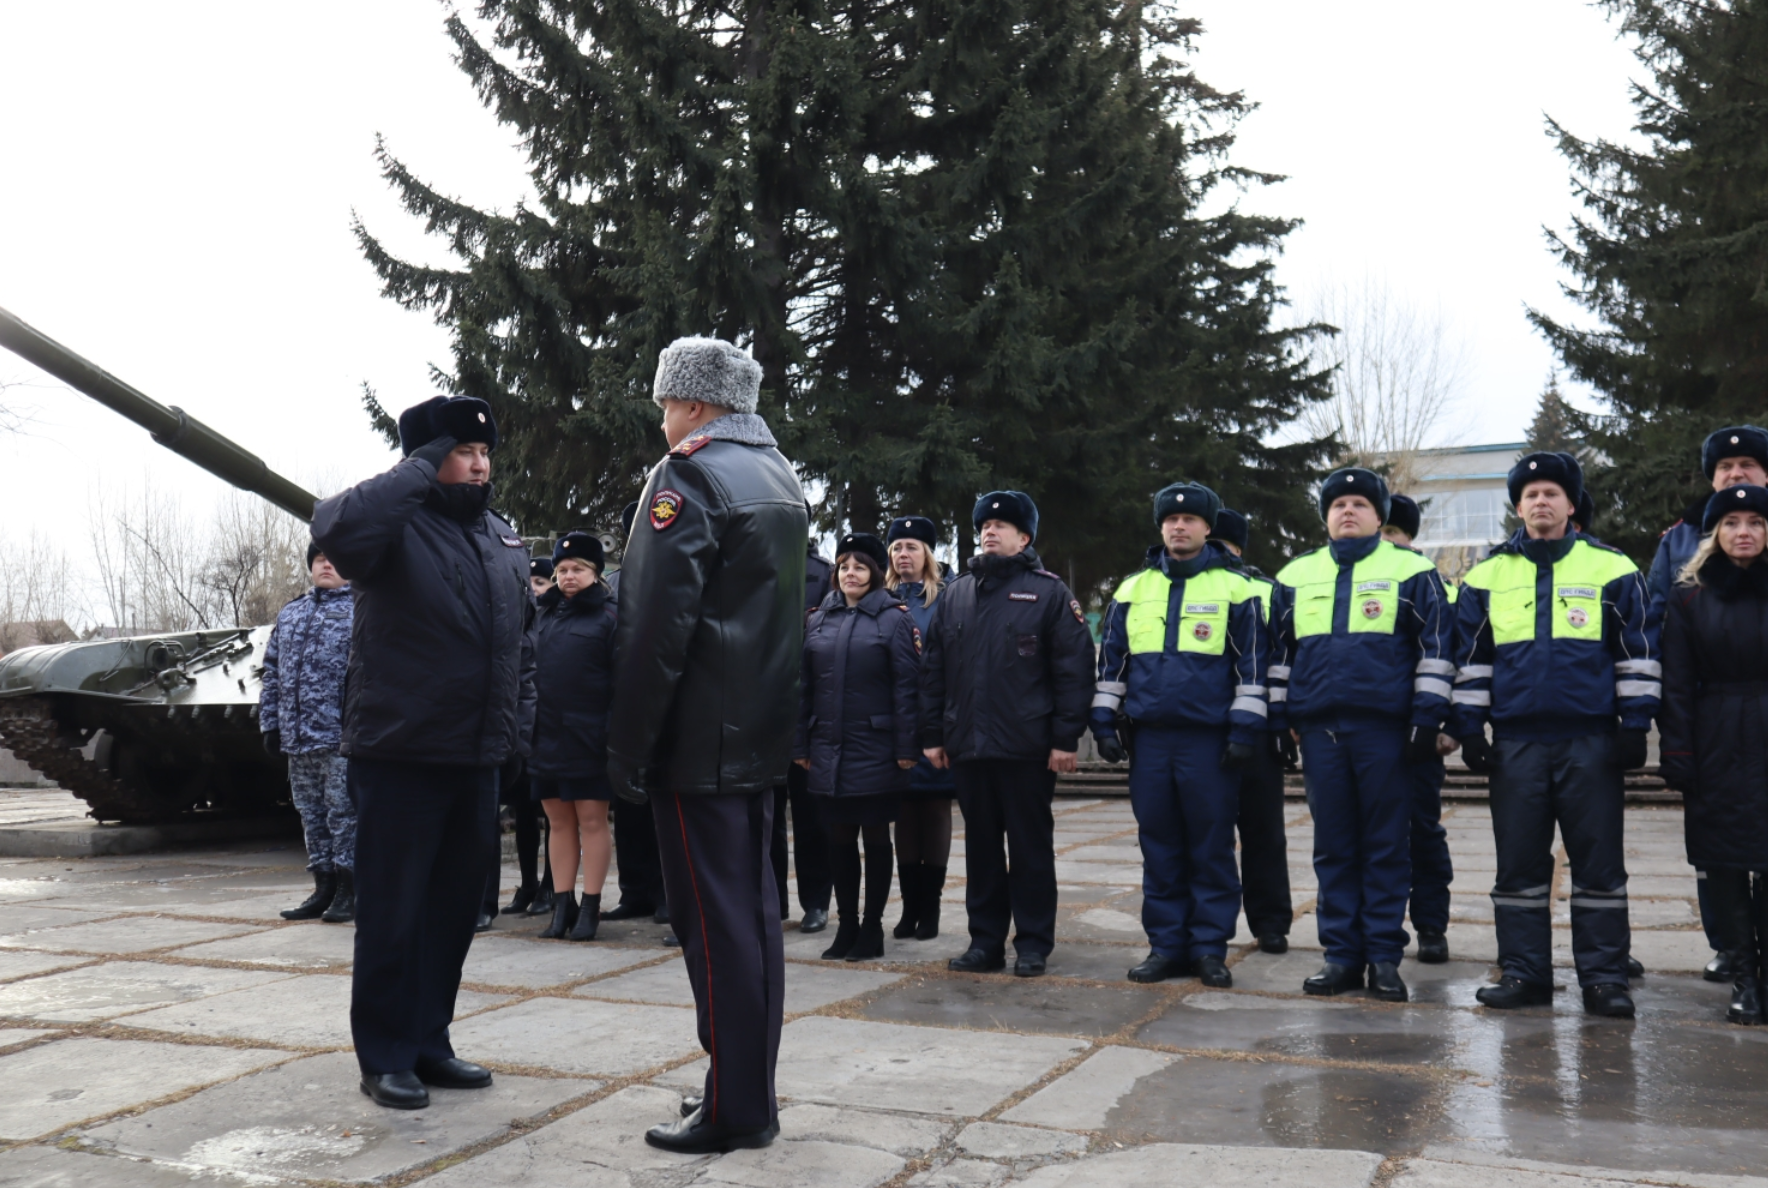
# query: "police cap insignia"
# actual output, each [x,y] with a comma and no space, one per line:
[665,508]
[481,418]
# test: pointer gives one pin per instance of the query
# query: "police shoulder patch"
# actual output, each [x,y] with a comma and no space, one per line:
[690,445]
[666,508]
[1079,616]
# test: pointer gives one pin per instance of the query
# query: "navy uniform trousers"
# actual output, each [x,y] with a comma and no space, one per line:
[1360,794]
[1432,869]
[1009,853]
[423,830]
[1186,807]
[722,903]
[635,854]
[810,844]
[1264,847]
[1576,783]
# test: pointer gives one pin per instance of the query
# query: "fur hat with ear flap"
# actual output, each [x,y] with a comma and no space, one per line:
[578,546]
[1544,467]
[540,567]
[1015,507]
[1354,480]
[913,528]
[709,370]
[1745,497]
[313,554]
[1192,499]
[464,418]
[1735,441]
[1232,528]
[865,544]
[1403,513]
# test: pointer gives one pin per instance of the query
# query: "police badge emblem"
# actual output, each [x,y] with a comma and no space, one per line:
[1577,616]
[665,508]
[1200,632]
[1372,609]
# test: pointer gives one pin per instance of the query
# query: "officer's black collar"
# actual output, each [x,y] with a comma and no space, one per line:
[1354,549]
[1541,552]
[874,603]
[1211,556]
[1730,581]
[588,599]
[993,565]
[461,502]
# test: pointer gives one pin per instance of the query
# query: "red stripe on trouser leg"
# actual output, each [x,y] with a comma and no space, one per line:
[711,1105]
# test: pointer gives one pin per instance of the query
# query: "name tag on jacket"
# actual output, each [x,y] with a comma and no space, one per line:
[1021,596]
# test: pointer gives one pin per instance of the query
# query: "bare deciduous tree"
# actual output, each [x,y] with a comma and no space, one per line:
[36,595]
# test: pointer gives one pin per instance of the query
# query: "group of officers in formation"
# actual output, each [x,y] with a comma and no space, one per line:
[725,673]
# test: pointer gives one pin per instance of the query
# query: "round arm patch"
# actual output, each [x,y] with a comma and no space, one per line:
[666,508]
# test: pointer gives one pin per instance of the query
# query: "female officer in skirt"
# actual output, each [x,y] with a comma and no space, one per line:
[856,731]
[924,826]
[1711,724]
[574,671]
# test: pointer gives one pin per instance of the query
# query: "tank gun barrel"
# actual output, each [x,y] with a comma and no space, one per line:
[170,426]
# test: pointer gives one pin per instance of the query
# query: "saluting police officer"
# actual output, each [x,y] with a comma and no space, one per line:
[439,696]
[1553,642]
[1182,660]
[707,656]
[1365,633]
[1005,684]
[1432,868]
[1264,844]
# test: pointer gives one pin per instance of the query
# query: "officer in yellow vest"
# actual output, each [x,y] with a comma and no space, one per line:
[1554,644]
[1363,676]
[1182,659]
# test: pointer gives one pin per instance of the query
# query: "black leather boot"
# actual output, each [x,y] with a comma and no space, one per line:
[1334,979]
[564,915]
[1385,982]
[543,902]
[625,910]
[1609,1000]
[325,884]
[343,904]
[1213,971]
[846,935]
[1729,900]
[1512,992]
[589,914]
[869,945]
[908,878]
[932,887]
[1433,947]
[1155,968]
[519,902]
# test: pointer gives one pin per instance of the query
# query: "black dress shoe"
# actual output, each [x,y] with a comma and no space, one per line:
[815,920]
[1512,992]
[1155,968]
[689,1105]
[1634,969]
[1610,1000]
[977,961]
[483,924]
[520,901]
[626,911]
[1273,942]
[453,1073]
[1028,965]
[543,902]
[1334,979]
[1719,969]
[396,1091]
[661,915]
[1213,971]
[672,941]
[693,1135]
[1385,982]
[1433,947]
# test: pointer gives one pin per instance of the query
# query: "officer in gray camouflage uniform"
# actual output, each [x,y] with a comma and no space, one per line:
[300,714]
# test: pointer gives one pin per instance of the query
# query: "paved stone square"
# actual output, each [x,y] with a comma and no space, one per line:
[160,1025]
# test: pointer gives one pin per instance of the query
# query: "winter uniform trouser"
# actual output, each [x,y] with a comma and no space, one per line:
[1709,922]
[810,844]
[319,781]
[1185,807]
[635,854]
[1576,783]
[423,831]
[1009,853]
[1432,869]
[1360,794]
[723,905]
[1264,847]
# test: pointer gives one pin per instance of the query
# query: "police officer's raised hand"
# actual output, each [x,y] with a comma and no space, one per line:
[1476,752]
[1421,745]
[1064,762]
[1237,755]
[1630,750]
[1110,749]
[436,452]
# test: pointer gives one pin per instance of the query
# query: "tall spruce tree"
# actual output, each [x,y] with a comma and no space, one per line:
[964,239]
[1672,257]
[1556,426]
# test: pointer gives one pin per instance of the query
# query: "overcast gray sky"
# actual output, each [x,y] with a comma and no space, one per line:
[177,179]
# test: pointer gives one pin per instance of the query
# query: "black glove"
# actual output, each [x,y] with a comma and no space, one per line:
[436,451]
[1237,755]
[1288,751]
[1110,749]
[272,742]
[1630,749]
[1678,772]
[1477,753]
[1421,745]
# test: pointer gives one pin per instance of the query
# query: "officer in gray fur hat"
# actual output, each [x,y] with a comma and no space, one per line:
[706,694]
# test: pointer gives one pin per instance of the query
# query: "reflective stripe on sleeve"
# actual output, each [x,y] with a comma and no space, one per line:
[1439,668]
[1278,695]
[1108,701]
[1249,690]
[1278,672]
[1474,672]
[1639,689]
[1649,668]
[1472,697]
[1440,688]
[1248,705]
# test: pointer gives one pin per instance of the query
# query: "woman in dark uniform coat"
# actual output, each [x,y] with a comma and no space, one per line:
[924,827]
[1713,720]
[574,680]
[856,731]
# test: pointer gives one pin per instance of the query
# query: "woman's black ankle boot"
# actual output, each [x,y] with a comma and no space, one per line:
[932,887]
[589,914]
[564,915]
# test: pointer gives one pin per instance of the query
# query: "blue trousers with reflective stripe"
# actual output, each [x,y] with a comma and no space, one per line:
[1360,793]
[1185,807]
[1432,870]
[1576,784]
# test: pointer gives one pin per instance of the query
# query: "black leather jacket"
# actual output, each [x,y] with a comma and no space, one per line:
[711,618]
[441,661]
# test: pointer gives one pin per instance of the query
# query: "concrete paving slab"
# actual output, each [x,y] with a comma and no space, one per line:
[51,1167]
[536,965]
[1083,1097]
[1497,1170]
[809,1164]
[1108,922]
[204,896]
[808,987]
[1184,1166]
[131,934]
[961,1173]
[19,963]
[1115,874]
[992,1140]
[1305,1029]
[25,890]
[13,1037]
[1039,1005]
[308,1120]
[28,917]
[1672,952]
[310,944]
[1096,961]
[256,908]
[1117,852]
[52,1086]
[579,1036]
[897,1133]
[118,988]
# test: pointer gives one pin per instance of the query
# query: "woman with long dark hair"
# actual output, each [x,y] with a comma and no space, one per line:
[857,728]
[924,827]
[1712,722]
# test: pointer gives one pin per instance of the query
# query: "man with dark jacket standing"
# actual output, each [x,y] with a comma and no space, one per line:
[439,696]
[1006,684]
[706,699]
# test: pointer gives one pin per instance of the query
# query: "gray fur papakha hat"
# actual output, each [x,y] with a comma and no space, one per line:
[710,370]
